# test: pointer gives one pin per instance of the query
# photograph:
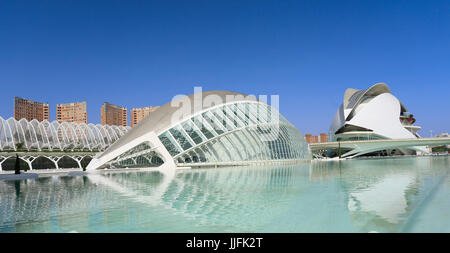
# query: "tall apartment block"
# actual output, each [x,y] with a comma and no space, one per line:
[29,109]
[316,139]
[113,115]
[323,137]
[137,114]
[72,112]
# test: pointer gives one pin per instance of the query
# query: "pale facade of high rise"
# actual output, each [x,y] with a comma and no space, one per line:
[29,109]
[113,115]
[72,112]
[137,114]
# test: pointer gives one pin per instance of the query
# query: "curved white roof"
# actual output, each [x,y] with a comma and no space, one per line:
[353,100]
[207,129]
[162,118]
[353,97]
[374,109]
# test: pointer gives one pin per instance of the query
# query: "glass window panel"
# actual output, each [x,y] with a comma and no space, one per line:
[210,157]
[250,113]
[213,122]
[253,109]
[169,143]
[272,115]
[180,137]
[238,113]
[211,147]
[223,150]
[232,116]
[241,148]
[234,155]
[201,154]
[194,156]
[252,143]
[187,158]
[199,122]
[192,132]
[220,120]
[262,111]
[223,119]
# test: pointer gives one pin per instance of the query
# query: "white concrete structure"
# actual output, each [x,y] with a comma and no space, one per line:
[55,159]
[373,113]
[36,140]
[207,129]
[355,148]
[54,136]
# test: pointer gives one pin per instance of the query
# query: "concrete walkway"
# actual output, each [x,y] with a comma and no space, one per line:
[32,174]
[21,176]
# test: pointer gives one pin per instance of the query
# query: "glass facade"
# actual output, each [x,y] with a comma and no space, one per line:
[143,155]
[54,136]
[236,132]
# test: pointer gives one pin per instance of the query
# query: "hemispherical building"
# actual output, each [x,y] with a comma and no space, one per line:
[212,128]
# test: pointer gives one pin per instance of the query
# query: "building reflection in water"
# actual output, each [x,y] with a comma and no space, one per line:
[223,197]
[220,197]
[382,194]
[349,196]
[17,186]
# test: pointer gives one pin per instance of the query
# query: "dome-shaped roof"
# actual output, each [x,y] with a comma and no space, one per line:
[163,117]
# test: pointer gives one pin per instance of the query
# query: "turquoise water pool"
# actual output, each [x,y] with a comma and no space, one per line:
[408,194]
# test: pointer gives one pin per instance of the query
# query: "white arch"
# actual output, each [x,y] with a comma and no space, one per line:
[99,137]
[3,127]
[94,135]
[55,135]
[83,136]
[42,126]
[74,138]
[63,129]
[114,133]
[104,133]
[13,143]
[32,124]
[18,125]
[53,127]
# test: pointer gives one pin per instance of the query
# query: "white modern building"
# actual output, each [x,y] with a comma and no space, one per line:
[207,129]
[53,144]
[374,114]
[37,135]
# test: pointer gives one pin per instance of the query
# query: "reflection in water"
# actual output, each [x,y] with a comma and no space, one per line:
[17,186]
[387,198]
[222,197]
[229,196]
[385,195]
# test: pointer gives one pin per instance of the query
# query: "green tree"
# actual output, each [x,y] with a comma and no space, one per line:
[19,145]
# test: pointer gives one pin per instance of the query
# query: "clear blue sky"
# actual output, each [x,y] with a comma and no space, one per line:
[140,53]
